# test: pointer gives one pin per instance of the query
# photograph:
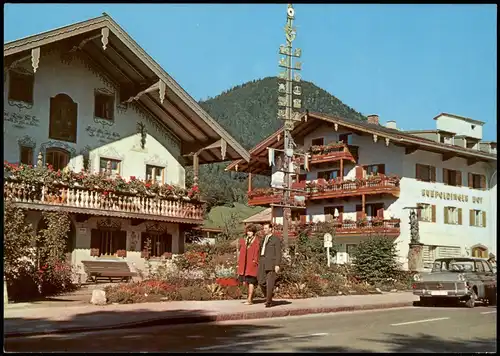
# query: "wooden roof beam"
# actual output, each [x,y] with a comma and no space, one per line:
[471,161]
[447,156]
[410,149]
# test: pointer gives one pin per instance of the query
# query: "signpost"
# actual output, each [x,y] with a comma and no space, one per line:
[328,243]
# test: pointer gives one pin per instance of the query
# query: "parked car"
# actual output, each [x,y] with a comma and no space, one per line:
[462,279]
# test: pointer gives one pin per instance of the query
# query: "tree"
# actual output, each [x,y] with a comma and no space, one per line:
[375,259]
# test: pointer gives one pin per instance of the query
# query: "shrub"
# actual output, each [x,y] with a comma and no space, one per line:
[375,260]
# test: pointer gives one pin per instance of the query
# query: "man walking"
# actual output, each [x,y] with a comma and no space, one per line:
[269,263]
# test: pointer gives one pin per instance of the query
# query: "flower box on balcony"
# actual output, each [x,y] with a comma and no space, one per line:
[227,282]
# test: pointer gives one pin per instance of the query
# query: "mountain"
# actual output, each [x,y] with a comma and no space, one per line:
[249,113]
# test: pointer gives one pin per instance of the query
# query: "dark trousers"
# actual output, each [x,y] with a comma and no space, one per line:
[268,286]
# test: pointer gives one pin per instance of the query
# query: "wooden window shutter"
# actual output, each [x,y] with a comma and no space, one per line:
[458,178]
[359,215]
[419,212]
[380,213]
[433,207]
[168,243]
[121,240]
[470,180]
[482,181]
[459,216]
[359,172]
[417,171]
[381,169]
[303,218]
[446,220]
[471,217]
[95,241]
[445,176]
[433,173]
[484,218]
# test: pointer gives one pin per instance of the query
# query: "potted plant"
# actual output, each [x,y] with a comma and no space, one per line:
[225,276]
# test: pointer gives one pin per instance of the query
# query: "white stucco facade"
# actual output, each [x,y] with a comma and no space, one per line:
[119,139]
[448,239]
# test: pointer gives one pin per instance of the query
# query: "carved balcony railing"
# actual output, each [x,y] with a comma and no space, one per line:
[322,189]
[271,196]
[387,227]
[332,152]
[85,201]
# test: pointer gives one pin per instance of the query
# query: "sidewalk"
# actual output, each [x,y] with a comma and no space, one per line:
[67,319]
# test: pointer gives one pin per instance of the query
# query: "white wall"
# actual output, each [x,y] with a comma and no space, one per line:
[398,163]
[118,140]
[459,127]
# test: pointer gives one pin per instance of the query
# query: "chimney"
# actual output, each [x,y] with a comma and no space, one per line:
[391,125]
[373,119]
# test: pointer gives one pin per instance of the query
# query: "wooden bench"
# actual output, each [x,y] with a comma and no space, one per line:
[110,270]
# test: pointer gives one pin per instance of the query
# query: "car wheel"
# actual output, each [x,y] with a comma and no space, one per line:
[492,298]
[471,302]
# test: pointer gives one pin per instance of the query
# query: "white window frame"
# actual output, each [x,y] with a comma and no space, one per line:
[452,215]
[120,164]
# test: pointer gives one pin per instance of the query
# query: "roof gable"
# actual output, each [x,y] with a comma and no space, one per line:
[141,79]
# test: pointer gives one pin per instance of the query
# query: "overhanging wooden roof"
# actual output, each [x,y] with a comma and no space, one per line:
[258,163]
[110,49]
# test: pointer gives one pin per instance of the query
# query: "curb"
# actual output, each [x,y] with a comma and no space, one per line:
[265,314]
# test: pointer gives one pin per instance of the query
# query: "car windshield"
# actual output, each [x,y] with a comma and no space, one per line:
[453,266]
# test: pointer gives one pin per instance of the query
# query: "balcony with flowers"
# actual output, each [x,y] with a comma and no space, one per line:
[273,196]
[333,152]
[338,187]
[43,188]
[362,227]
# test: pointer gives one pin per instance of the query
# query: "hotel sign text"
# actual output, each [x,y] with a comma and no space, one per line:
[450,196]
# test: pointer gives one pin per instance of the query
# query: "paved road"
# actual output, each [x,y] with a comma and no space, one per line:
[395,330]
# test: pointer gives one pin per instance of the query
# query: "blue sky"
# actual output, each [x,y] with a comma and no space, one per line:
[404,62]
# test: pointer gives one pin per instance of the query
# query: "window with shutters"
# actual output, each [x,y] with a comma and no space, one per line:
[103,106]
[63,118]
[346,139]
[477,218]
[26,155]
[477,181]
[427,213]
[21,86]
[452,177]
[425,173]
[318,141]
[375,169]
[452,215]
[108,242]
[113,163]
[58,158]
[374,210]
[161,243]
[155,174]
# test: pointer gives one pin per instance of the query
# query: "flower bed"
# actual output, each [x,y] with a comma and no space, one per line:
[39,177]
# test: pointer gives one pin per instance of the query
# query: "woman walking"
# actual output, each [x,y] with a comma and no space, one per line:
[248,260]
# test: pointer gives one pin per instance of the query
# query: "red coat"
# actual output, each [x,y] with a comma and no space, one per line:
[248,260]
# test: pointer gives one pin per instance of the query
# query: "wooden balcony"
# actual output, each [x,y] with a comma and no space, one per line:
[270,196]
[90,202]
[331,153]
[381,184]
[389,228]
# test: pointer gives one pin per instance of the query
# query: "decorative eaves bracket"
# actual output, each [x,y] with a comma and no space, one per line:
[196,163]
[159,85]
[35,59]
